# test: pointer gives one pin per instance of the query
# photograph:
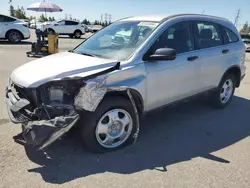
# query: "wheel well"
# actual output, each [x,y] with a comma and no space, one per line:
[7,33]
[236,72]
[78,30]
[136,96]
[50,29]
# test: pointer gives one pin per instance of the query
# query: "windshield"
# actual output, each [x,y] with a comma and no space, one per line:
[117,41]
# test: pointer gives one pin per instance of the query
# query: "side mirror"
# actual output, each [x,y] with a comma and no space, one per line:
[163,54]
[56,24]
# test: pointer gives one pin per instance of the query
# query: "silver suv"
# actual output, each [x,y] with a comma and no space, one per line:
[106,84]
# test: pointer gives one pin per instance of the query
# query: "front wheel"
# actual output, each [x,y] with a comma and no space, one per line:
[14,36]
[111,126]
[223,95]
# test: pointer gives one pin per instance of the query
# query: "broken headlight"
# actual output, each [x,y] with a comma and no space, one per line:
[62,91]
[56,94]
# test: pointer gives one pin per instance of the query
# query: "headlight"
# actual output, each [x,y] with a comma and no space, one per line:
[56,94]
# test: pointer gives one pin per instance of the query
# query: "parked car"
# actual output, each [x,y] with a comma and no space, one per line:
[94,28]
[12,29]
[67,27]
[246,40]
[105,88]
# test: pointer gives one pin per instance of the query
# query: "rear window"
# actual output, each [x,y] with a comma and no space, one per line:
[229,36]
[207,34]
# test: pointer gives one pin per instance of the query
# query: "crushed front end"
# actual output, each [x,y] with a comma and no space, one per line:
[46,112]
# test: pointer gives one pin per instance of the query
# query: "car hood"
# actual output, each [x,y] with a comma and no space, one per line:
[58,66]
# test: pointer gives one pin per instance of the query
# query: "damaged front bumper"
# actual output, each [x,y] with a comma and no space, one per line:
[38,133]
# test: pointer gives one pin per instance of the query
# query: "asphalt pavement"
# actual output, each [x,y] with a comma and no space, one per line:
[189,145]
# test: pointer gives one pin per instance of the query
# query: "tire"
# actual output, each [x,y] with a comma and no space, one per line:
[14,36]
[228,83]
[90,125]
[77,34]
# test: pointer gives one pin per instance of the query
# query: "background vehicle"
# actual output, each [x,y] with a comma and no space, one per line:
[12,29]
[67,27]
[94,28]
[246,40]
[128,68]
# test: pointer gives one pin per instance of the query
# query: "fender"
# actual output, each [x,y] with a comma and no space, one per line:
[232,69]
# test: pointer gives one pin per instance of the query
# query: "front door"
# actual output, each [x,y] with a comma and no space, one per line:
[60,27]
[3,26]
[172,80]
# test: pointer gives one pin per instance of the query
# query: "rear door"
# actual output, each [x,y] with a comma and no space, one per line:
[71,26]
[209,42]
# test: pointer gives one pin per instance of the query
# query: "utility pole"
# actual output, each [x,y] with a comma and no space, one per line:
[203,12]
[237,18]
[110,18]
[101,18]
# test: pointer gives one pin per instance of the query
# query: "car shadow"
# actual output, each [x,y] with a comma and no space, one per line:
[19,43]
[168,136]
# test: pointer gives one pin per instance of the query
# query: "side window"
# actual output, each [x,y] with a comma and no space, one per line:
[70,23]
[177,36]
[207,35]
[6,19]
[229,36]
[60,23]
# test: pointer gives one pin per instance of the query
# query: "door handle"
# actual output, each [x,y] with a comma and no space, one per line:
[192,58]
[225,51]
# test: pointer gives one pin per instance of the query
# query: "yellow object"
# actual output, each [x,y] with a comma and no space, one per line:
[44,49]
[53,43]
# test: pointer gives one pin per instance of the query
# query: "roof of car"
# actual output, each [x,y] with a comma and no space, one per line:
[163,17]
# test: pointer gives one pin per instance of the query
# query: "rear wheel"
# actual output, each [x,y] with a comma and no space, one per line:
[14,36]
[77,34]
[223,95]
[111,126]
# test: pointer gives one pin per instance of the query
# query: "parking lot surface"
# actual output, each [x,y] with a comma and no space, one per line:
[189,145]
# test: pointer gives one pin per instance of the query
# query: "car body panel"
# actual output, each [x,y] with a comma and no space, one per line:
[58,66]
[60,27]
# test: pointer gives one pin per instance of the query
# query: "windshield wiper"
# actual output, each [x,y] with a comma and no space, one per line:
[87,54]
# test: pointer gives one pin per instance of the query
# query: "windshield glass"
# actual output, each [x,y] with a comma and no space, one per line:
[117,41]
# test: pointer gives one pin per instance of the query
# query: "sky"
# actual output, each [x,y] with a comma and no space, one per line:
[92,9]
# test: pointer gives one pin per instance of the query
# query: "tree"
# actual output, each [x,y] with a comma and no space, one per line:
[245,29]
[86,22]
[12,11]
[31,18]
[20,13]
[43,18]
